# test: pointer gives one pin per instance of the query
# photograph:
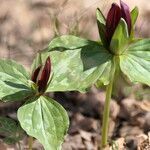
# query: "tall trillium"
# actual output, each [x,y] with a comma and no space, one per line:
[84,61]
[113,18]
[116,17]
[78,63]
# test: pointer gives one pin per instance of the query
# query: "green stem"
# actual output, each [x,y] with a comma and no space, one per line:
[105,123]
[30,142]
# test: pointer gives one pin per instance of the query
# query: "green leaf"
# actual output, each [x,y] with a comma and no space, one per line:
[7,125]
[12,89]
[13,81]
[78,69]
[10,130]
[135,61]
[46,120]
[100,16]
[37,62]
[101,26]
[120,38]
[11,140]
[68,42]
[10,67]
[134,15]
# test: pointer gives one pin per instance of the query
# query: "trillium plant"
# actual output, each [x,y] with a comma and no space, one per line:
[40,116]
[70,63]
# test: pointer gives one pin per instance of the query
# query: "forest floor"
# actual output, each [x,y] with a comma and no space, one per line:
[27,26]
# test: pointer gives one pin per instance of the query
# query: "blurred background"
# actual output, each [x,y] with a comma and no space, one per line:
[27,26]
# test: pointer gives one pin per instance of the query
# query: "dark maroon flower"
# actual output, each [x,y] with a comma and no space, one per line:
[112,21]
[45,74]
[41,77]
[35,74]
[125,14]
[113,17]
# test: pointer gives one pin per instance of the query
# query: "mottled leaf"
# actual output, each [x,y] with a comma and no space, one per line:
[13,81]
[46,120]
[79,68]
[68,42]
[135,61]
[11,68]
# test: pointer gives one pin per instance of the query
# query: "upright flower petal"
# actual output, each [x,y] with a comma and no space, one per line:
[113,18]
[45,74]
[125,14]
[35,74]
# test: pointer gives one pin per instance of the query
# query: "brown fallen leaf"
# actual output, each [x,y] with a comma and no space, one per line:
[144,105]
[143,142]
[119,144]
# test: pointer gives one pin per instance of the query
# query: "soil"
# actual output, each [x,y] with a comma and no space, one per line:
[129,121]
